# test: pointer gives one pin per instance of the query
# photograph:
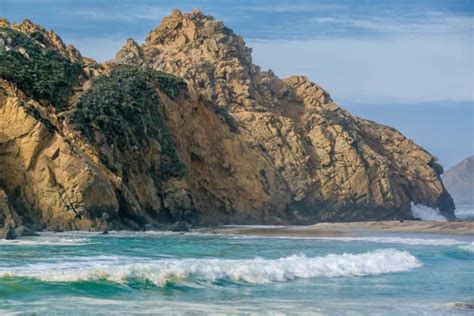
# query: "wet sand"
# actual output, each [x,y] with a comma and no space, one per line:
[350,229]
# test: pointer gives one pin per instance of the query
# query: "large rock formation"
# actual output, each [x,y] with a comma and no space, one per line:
[82,143]
[459,181]
[336,166]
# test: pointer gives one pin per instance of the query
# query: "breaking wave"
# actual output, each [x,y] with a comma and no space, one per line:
[468,247]
[253,271]
[45,241]
[427,213]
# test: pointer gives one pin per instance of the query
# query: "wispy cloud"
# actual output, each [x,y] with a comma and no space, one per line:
[294,8]
[124,13]
[428,23]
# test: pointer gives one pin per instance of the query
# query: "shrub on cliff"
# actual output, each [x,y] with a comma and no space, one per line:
[40,72]
[168,83]
[125,107]
[228,119]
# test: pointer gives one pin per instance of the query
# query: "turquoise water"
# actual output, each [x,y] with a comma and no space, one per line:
[150,272]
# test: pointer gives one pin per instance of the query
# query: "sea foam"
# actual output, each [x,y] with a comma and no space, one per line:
[253,271]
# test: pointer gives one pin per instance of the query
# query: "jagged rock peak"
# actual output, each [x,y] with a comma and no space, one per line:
[29,27]
[130,53]
[4,22]
[208,55]
[47,38]
[196,29]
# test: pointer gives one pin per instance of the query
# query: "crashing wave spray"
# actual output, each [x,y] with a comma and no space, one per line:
[426,213]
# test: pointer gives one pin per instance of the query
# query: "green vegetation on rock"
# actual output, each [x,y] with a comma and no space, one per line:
[228,119]
[41,72]
[168,83]
[125,107]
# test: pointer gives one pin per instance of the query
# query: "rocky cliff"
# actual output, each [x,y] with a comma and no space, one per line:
[459,181]
[186,128]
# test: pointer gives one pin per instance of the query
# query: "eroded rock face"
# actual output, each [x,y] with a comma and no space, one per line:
[48,174]
[126,144]
[8,215]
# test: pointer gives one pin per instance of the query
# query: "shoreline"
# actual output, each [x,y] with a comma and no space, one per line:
[337,229]
[347,229]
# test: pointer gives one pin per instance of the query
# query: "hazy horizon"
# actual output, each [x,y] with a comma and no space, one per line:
[407,65]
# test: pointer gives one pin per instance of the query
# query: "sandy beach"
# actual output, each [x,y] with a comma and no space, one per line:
[350,229]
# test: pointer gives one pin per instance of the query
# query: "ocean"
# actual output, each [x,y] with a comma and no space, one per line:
[149,273]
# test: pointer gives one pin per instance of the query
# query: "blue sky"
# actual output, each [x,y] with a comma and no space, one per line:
[408,64]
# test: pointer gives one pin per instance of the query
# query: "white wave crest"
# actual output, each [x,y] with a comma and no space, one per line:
[255,271]
[468,247]
[44,241]
[427,213]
